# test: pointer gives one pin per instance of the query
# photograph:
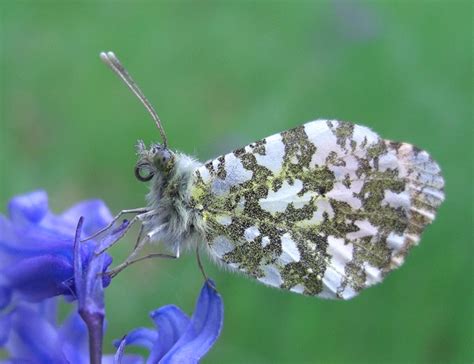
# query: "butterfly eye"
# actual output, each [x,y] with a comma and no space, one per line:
[162,158]
[143,172]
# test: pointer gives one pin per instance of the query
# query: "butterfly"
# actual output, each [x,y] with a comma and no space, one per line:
[325,209]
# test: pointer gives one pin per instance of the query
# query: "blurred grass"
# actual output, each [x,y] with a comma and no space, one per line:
[221,75]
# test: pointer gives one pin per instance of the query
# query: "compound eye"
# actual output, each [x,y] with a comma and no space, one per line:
[165,157]
[144,172]
[162,159]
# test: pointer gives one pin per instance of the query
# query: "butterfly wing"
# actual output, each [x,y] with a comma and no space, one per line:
[325,209]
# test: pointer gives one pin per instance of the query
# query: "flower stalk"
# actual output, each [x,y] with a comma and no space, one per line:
[93,315]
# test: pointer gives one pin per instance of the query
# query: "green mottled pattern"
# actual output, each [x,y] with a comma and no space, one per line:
[334,218]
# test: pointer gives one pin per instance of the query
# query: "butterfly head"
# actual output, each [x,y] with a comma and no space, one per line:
[158,159]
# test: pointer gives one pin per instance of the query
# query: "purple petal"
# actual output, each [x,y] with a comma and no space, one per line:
[73,336]
[122,359]
[96,213]
[38,278]
[48,309]
[89,287]
[34,338]
[73,330]
[107,260]
[130,338]
[171,323]
[203,330]
[120,351]
[5,325]
[113,236]
[78,273]
[5,297]
[20,241]
[28,208]
[80,282]
[141,336]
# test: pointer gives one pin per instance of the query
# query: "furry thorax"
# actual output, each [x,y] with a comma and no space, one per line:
[170,220]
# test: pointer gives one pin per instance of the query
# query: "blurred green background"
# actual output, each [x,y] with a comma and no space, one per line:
[221,75]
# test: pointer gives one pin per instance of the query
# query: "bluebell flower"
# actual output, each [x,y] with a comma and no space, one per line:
[42,257]
[36,247]
[176,337]
[35,337]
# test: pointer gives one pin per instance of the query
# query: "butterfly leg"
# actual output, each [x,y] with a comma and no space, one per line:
[139,244]
[138,211]
[201,267]
[127,228]
[112,273]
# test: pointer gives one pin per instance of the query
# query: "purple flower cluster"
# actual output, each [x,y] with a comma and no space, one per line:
[36,247]
[43,259]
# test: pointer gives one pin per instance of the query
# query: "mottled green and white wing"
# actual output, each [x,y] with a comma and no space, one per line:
[325,209]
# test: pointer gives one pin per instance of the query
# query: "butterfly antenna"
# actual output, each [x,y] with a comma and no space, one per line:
[113,62]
